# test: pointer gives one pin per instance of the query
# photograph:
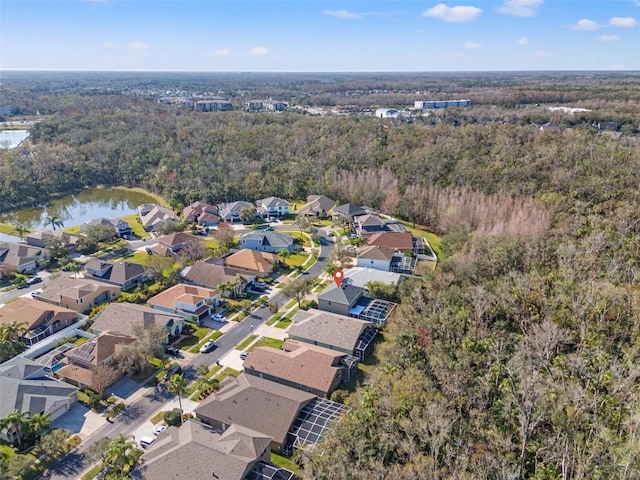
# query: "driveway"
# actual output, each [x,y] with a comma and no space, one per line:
[80,420]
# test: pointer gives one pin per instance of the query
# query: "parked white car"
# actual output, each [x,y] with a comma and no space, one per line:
[217,317]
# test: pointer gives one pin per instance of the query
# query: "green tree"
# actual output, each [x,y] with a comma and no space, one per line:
[121,457]
[283,254]
[54,221]
[247,214]
[21,230]
[100,233]
[299,288]
[16,426]
[136,356]
[52,442]
[176,384]
[202,371]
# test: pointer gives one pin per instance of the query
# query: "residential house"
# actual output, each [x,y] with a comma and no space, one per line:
[174,242]
[360,277]
[376,257]
[230,212]
[20,257]
[259,264]
[335,332]
[79,294]
[398,241]
[272,207]
[368,224]
[201,213]
[255,403]
[41,319]
[25,387]
[196,451]
[348,299]
[211,272]
[267,241]
[120,227]
[303,366]
[191,302]
[348,210]
[153,215]
[317,205]
[265,106]
[41,239]
[81,363]
[126,275]
[123,318]
[213,104]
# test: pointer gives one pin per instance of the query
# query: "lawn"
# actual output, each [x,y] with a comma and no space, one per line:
[195,385]
[421,231]
[268,342]
[8,229]
[283,323]
[137,257]
[196,349]
[306,239]
[196,335]
[136,227]
[284,462]
[242,345]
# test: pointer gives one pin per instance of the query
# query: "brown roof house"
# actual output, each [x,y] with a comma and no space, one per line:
[317,205]
[41,319]
[399,241]
[254,263]
[123,317]
[126,275]
[174,242]
[348,299]
[335,332]
[303,366]
[19,256]
[196,451]
[79,294]
[84,364]
[153,215]
[25,387]
[210,273]
[252,402]
[201,213]
[189,301]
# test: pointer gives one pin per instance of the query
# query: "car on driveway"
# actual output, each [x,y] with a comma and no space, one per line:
[146,442]
[208,346]
[171,350]
[244,354]
[218,317]
[158,429]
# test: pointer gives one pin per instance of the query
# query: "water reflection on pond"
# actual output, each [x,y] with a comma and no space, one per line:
[77,209]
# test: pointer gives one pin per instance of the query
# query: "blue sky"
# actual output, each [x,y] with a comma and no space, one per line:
[313,35]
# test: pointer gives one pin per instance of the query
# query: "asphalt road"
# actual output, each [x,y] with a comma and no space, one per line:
[134,416]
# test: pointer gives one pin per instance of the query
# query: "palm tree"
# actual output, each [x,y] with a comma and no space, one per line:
[225,287]
[283,254]
[53,221]
[177,384]
[15,424]
[38,423]
[21,230]
[12,331]
[122,456]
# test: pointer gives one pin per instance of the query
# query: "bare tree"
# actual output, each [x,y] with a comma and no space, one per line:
[103,376]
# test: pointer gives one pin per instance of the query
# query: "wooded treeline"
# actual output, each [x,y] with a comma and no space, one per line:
[518,357]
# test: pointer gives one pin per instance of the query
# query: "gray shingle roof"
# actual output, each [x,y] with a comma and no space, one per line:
[25,387]
[122,317]
[344,295]
[116,272]
[327,328]
[269,239]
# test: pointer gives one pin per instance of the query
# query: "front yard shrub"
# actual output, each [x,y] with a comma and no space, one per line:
[172,417]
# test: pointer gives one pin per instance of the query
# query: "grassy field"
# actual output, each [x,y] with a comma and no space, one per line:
[136,227]
[284,462]
[8,229]
[420,231]
[196,348]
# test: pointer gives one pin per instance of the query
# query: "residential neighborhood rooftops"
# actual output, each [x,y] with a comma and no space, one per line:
[252,261]
[272,202]
[345,294]
[73,288]
[349,209]
[34,313]
[395,240]
[196,451]
[360,277]
[266,239]
[255,403]
[210,274]
[25,387]
[317,205]
[19,256]
[152,214]
[376,252]
[183,293]
[327,328]
[122,317]
[119,273]
[298,363]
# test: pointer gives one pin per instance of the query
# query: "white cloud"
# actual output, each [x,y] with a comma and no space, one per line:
[221,52]
[624,22]
[609,38]
[585,24]
[523,41]
[542,53]
[458,14]
[471,46]
[520,8]
[107,45]
[342,14]
[258,52]
[137,46]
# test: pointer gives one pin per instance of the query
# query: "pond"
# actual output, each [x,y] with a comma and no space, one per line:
[76,209]
[12,138]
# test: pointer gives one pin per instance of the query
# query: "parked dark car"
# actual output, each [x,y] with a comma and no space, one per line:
[34,280]
[175,370]
[171,350]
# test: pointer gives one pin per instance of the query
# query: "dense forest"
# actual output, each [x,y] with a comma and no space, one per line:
[519,356]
